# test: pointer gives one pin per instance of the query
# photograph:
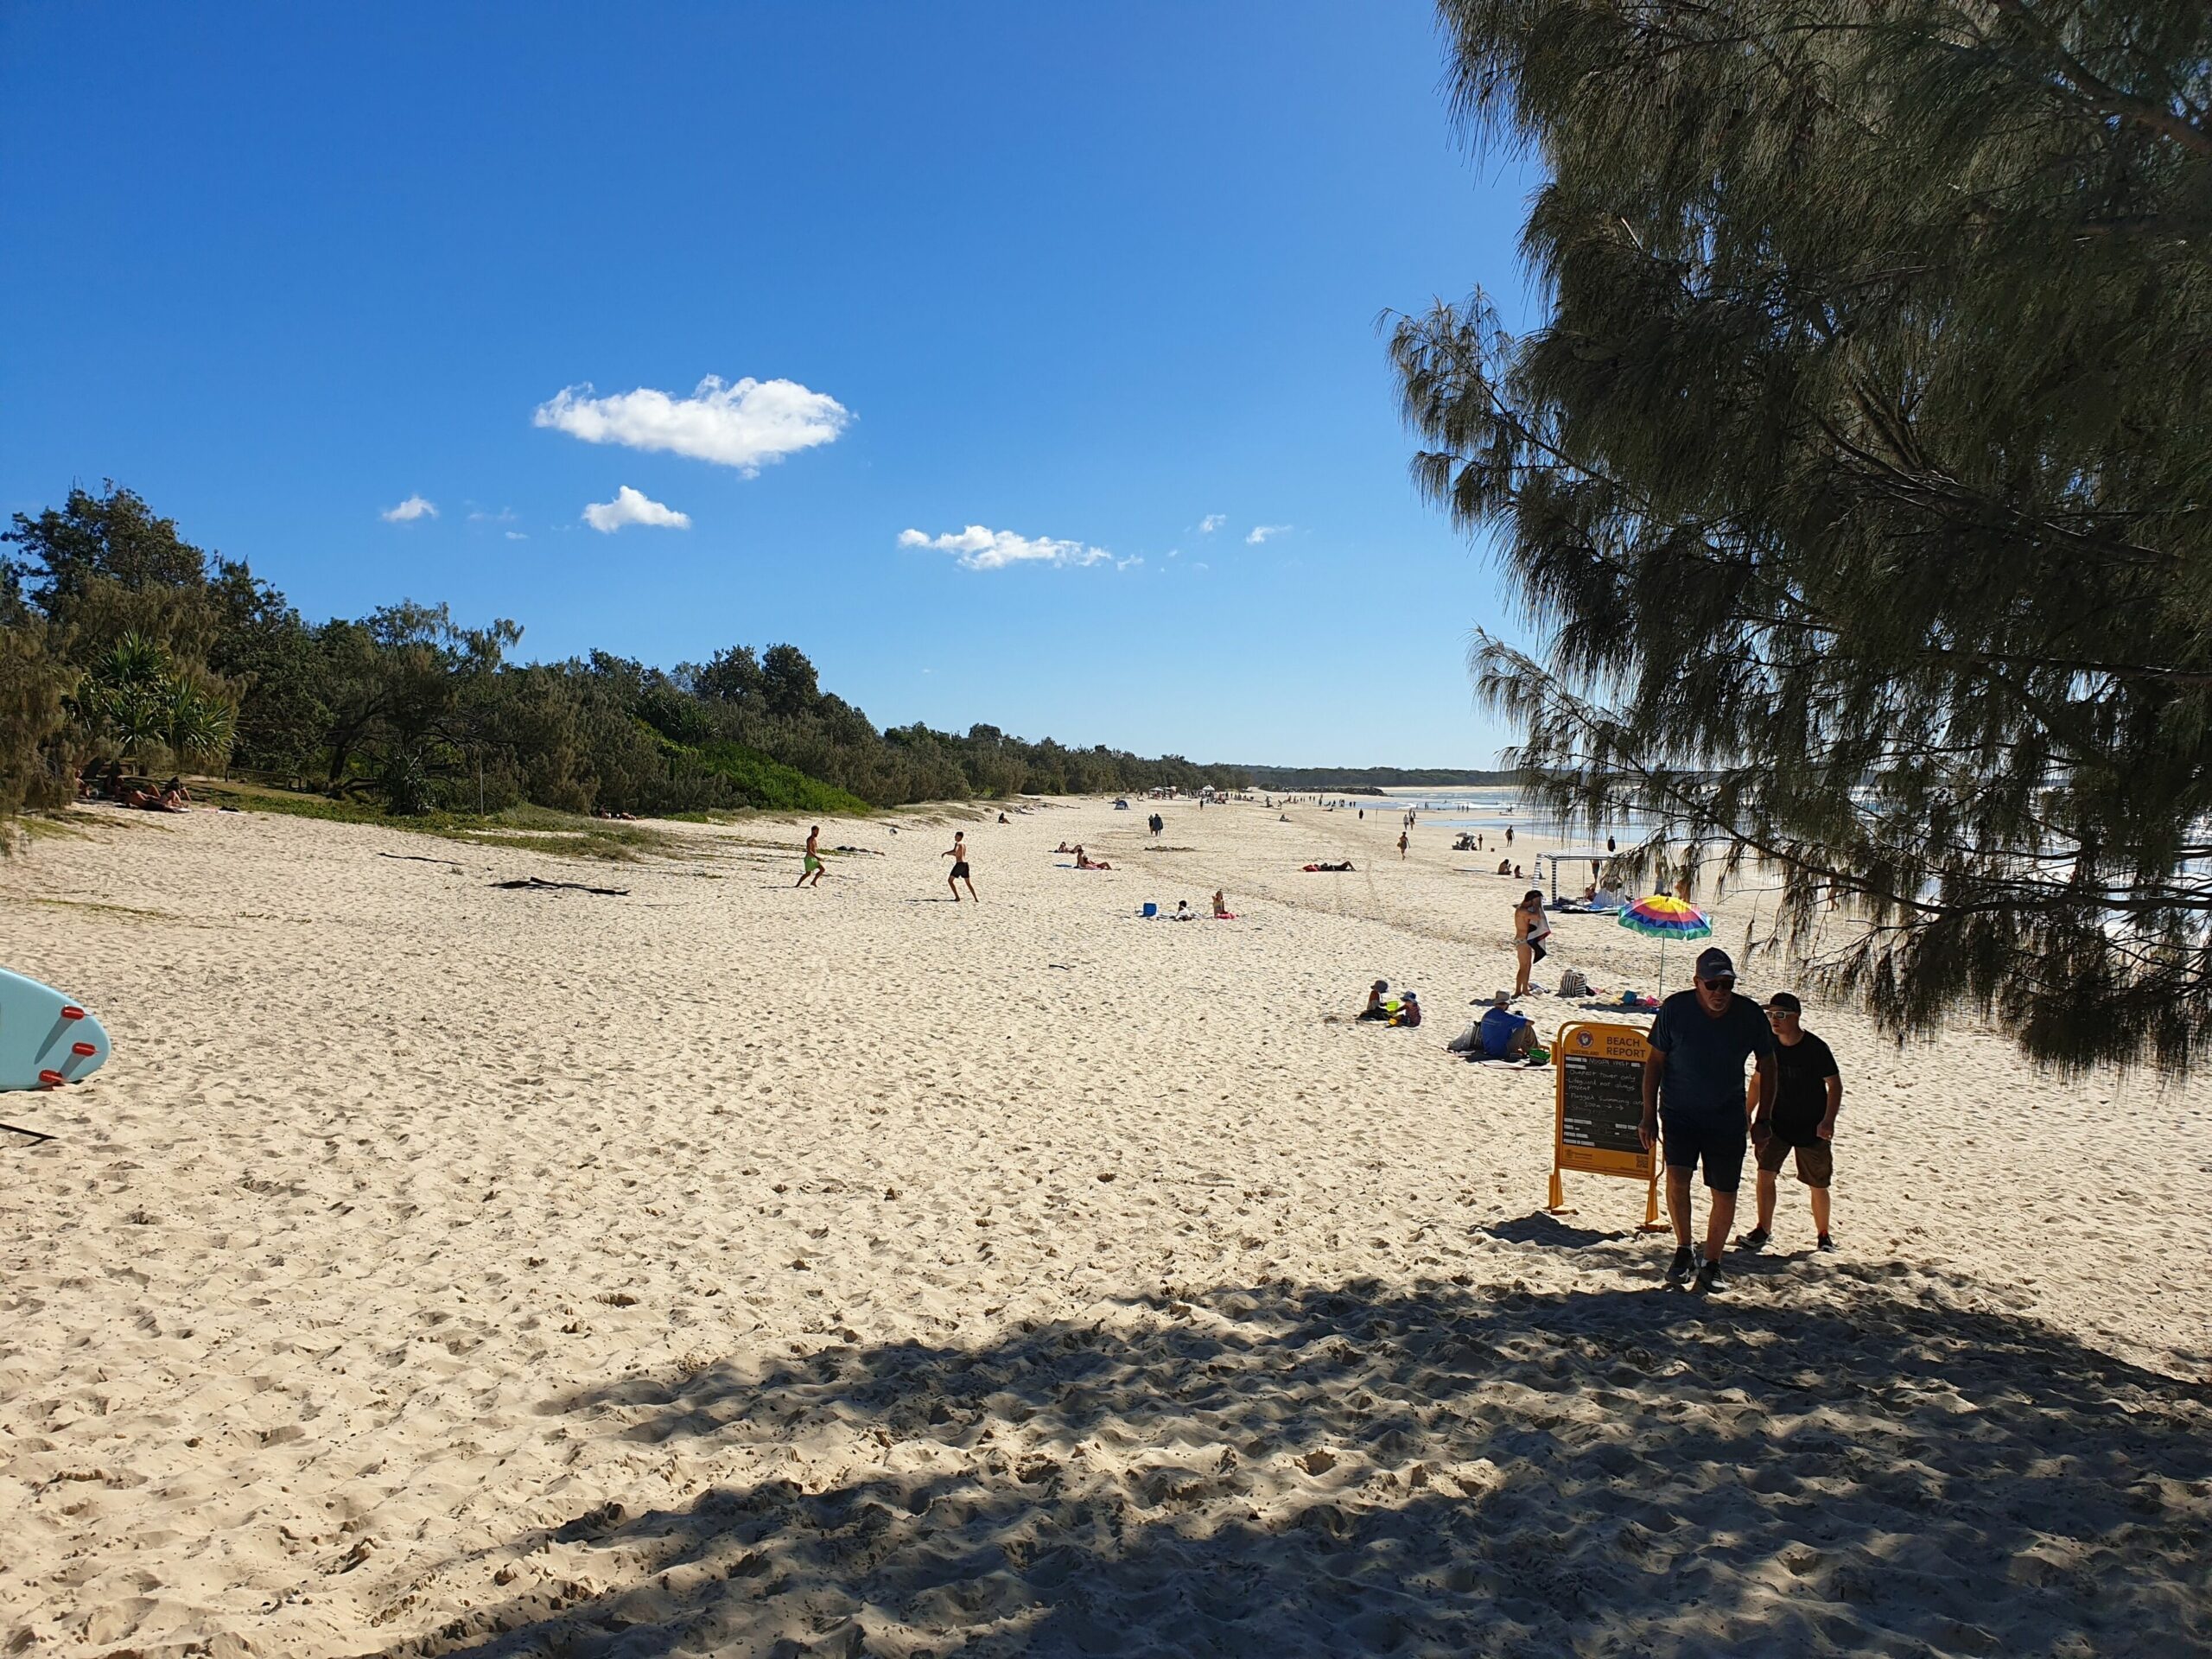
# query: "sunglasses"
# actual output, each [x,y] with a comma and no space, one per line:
[1724,982]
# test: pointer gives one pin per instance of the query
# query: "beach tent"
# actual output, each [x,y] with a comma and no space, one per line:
[1598,858]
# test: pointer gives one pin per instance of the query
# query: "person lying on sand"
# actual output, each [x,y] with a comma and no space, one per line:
[1063,848]
[1327,867]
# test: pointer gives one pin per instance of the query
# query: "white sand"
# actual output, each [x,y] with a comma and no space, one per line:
[731,1269]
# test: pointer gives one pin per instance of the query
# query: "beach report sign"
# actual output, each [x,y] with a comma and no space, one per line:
[1596,1123]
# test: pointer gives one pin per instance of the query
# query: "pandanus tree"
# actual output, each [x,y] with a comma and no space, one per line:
[1857,482]
[135,697]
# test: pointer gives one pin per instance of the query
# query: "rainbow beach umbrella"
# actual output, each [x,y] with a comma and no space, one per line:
[1664,917]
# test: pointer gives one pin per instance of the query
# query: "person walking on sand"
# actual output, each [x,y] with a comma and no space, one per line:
[1402,846]
[1808,1094]
[958,854]
[812,868]
[1694,1103]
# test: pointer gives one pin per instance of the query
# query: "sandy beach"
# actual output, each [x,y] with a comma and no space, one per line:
[438,1268]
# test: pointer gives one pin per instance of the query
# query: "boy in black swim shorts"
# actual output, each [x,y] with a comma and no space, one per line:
[958,854]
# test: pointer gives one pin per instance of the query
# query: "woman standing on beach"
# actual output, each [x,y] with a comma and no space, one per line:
[1530,930]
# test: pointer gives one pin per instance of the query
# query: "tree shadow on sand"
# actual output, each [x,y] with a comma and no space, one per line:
[1282,1470]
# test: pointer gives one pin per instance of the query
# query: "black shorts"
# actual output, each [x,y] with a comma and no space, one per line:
[959,872]
[1718,1141]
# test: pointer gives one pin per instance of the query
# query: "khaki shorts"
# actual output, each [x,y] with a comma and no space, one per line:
[1816,1163]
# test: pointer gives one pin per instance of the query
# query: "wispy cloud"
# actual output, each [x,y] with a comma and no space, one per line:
[504,516]
[978,549]
[408,510]
[1212,522]
[1260,532]
[630,507]
[741,425]
[518,536]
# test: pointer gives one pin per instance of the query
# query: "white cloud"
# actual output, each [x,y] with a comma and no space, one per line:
[1212,522]
[408,510]
[741,425]
[630,507]
[518,536]
[504,516]
[1260,532]
[979,549]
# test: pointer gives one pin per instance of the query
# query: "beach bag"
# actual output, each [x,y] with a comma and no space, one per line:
[1572,983]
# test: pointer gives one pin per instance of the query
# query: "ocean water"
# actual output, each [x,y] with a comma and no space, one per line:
[1485,810]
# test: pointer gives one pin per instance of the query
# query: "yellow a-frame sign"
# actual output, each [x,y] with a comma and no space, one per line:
[1597,1124]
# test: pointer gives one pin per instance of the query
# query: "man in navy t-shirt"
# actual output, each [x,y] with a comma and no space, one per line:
[1693,1102]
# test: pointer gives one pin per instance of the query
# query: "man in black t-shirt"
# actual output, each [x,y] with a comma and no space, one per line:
[1806,1099]
[1692,1092]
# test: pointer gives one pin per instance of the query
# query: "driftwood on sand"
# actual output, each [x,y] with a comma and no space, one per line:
[538,883]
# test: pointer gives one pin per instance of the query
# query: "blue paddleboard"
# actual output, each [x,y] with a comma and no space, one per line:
[46,1038]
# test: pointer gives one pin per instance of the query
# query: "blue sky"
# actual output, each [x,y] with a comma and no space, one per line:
[1089,279]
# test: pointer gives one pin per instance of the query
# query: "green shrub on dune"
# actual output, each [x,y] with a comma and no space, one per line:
[768,786]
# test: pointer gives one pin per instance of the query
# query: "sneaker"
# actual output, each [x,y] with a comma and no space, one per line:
[1756,1239]
[1827,1246]
[1709,1277]
[1684,1263]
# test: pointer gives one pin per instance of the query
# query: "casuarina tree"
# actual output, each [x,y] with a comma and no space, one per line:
[1858,480]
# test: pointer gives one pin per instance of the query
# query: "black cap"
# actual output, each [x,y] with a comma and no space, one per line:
[1715,961]
[1785,1003]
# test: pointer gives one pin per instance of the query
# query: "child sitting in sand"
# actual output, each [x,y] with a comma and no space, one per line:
[1375,1009]
[1221,911]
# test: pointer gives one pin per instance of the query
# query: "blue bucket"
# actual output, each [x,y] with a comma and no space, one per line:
[1151,909]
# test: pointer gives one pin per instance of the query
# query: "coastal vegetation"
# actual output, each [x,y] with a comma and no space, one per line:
[1858,474]
[120,640]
